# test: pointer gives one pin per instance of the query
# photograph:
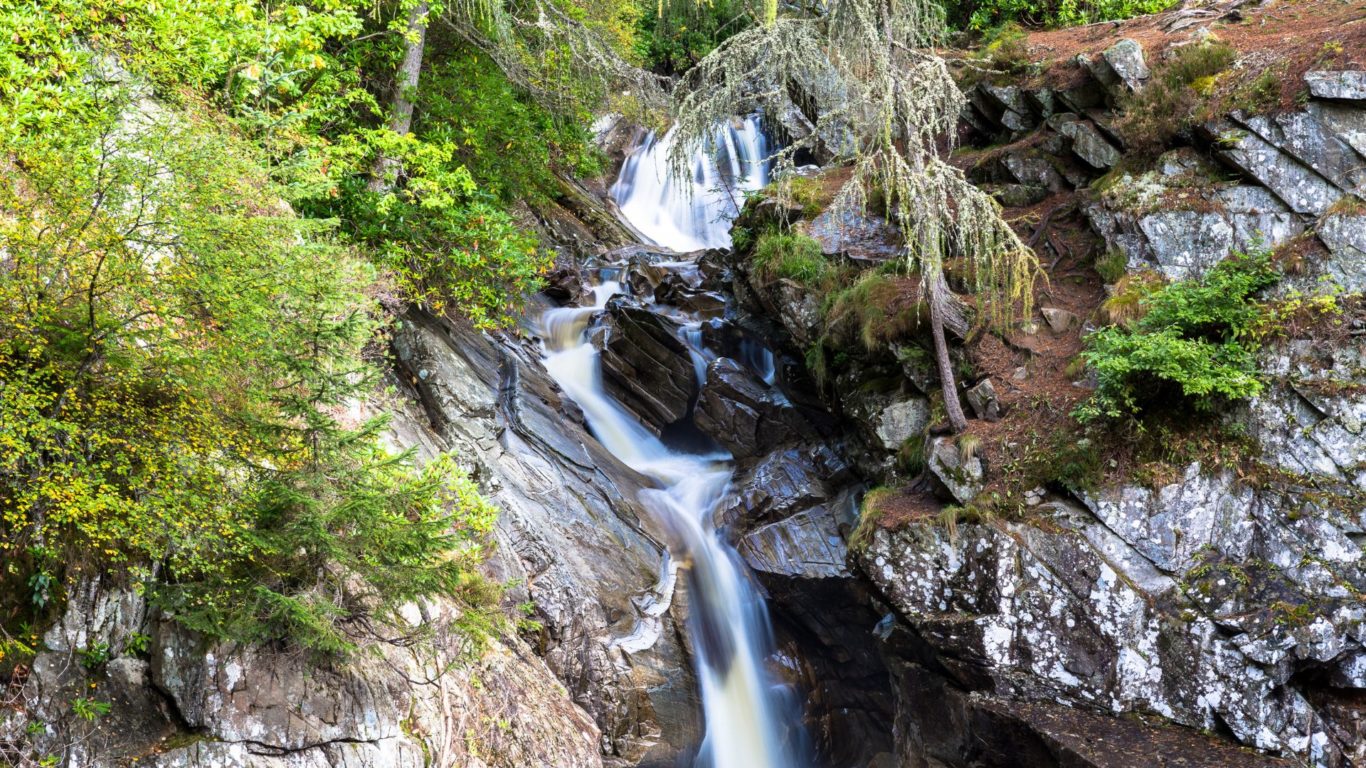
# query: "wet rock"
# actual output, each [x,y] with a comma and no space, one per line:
[868,239]
[704,305]
[959,476]
[743,414]
[645,365]
[1089,145]
[806,545]
[570,531]
[1347,85]
[643,276]
[1059,321]
[783,483]
[983,401]
[564,284]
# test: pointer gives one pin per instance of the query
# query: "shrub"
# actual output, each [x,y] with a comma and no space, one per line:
[1169,104]
[792,256]
[1192,346]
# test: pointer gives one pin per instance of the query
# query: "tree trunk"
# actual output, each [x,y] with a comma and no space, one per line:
[385,173]
[938,298]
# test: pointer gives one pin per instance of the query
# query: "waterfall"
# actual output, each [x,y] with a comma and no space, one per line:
[691,214]
[751,721]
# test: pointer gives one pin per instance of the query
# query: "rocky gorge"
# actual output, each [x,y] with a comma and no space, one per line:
[1203,615]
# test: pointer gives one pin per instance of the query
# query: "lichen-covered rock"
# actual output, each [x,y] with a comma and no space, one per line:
[1344,234]
[1121,67]
[959,473]
[1347,85]
[1089,145]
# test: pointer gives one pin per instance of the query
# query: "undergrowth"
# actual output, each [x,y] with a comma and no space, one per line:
[1193,345]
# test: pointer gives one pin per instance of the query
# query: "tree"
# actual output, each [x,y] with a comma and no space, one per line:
[866,71]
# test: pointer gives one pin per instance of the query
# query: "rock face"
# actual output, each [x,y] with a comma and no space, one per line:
[181,702]
[1295,170]
[569,530]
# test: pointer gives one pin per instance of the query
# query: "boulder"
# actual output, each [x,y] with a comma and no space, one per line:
[1060,321]
[860,238]
[742,413]
[1344,86]
[1089,145]
[983,400]
[645,364]
[1032,167]
[1121,67]
[958,476]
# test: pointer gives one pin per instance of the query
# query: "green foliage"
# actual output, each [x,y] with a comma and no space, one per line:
[508,143]
[792,256]
[1192,346]
[177,355]
[1172,101]
[686,31]
[985,14]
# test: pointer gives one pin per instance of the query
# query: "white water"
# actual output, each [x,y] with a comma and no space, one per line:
[750,720]
[688,215]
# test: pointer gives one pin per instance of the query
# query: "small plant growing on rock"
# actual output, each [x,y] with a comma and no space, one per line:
[1112,266]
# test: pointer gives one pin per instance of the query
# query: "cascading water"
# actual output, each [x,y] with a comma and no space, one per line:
[695,213]
[751,721]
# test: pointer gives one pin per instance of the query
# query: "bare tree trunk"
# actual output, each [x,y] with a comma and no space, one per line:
[938,297]
[385,173]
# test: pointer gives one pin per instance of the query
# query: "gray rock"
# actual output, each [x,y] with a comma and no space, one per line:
[1344,234]
[645,364]
[1120,67]
[1297,185]
[1033,168]
[1089,145]
[1314,144]
[806,545]
[1348,86]
[959,477]
[1186,243]
[1060,321]
[859,238]
[898,421]
[1259,219]
[983,400]
[745,415]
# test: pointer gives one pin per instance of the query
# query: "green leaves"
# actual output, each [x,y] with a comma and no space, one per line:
[1192,346]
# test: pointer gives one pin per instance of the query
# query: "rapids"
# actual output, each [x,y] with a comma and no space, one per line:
[751,720]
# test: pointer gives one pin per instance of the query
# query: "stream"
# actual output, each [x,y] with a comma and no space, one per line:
[751,719]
